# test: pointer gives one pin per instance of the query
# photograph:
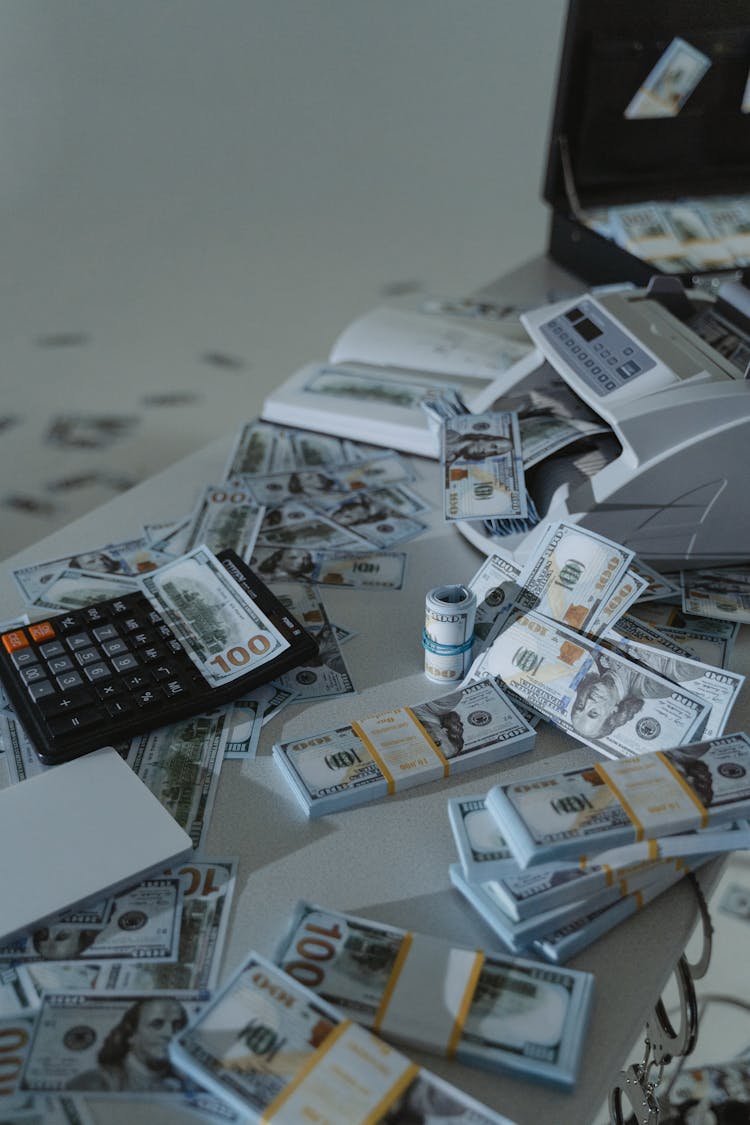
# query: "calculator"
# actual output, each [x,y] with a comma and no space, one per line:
[98,675]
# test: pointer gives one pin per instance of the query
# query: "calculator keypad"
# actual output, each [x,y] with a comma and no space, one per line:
[100,664]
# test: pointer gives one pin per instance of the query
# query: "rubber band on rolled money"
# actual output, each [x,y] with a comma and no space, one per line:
[448,632]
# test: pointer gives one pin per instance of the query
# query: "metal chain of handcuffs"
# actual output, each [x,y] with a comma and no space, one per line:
[639,1082]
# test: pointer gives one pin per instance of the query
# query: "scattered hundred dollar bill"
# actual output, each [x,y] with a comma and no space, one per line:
[380,570]
[326,481]
[483,1009]
[599,697]
[140,923]
[381,754]
[207,891]
[572,575]
[265,1041]
[225,516]
[181,765]
[585,812]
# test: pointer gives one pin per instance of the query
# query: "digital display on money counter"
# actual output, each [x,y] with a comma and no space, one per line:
[595,347]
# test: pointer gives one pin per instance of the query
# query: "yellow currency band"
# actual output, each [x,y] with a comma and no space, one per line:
[388,1099]
[601,771]
[376,756]
[423,731]
[388,991]
[463,1011]
[687,788]
[273,1108]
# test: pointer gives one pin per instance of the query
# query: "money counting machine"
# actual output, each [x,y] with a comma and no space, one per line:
[661,372]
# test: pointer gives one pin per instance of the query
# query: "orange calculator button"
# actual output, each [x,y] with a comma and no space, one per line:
[42,631]
[15,640]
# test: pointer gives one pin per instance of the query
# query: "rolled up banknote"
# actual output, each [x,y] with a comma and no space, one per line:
[599,697]
[448,635]
[279,1054]
[487,1010]
[579,814]
[382,754]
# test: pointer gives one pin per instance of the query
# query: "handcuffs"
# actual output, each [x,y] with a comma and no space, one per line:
[639,1082]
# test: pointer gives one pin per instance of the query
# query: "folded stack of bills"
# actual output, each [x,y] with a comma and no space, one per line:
[275,1051]
[486,1009]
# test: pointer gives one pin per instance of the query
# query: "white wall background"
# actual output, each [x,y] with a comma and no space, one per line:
[178,176]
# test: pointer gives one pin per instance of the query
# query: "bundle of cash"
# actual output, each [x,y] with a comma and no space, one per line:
[382,754]
[585,812]
[485,858]
[482,1008]
[278,1053]
[519,935]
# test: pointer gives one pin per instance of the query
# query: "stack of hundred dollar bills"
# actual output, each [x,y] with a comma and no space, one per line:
[275,1051]
[486,1009]
[586,637]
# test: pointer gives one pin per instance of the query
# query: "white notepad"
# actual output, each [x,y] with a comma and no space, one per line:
[78,830]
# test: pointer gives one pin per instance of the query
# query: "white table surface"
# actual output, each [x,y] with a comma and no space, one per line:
[389,860]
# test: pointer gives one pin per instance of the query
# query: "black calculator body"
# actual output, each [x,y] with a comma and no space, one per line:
[99,675]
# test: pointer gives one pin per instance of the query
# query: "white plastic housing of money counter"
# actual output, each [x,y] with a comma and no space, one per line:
[677,492]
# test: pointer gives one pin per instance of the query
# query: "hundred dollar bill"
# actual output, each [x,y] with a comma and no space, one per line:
[722,594]
[382,517]
[380,570]
[705,638]
[597,696]
[245,719]
[327,674]
[170,537]
[127,559]
[207,891]
[225,516]
[496,588]
[484,1009]
[83,1043]
[518,935]
[657,585]
[180,764]
[643,229]
[382,754]
[16,1029]
[629,630]
[16,992]
[670,82]
[142,923]
[585,812]
[572,574]
[483,467]
[718,687]
[265,1041]
[327,481]
[76,589]
[213,616]
[300,525]
[262,447]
